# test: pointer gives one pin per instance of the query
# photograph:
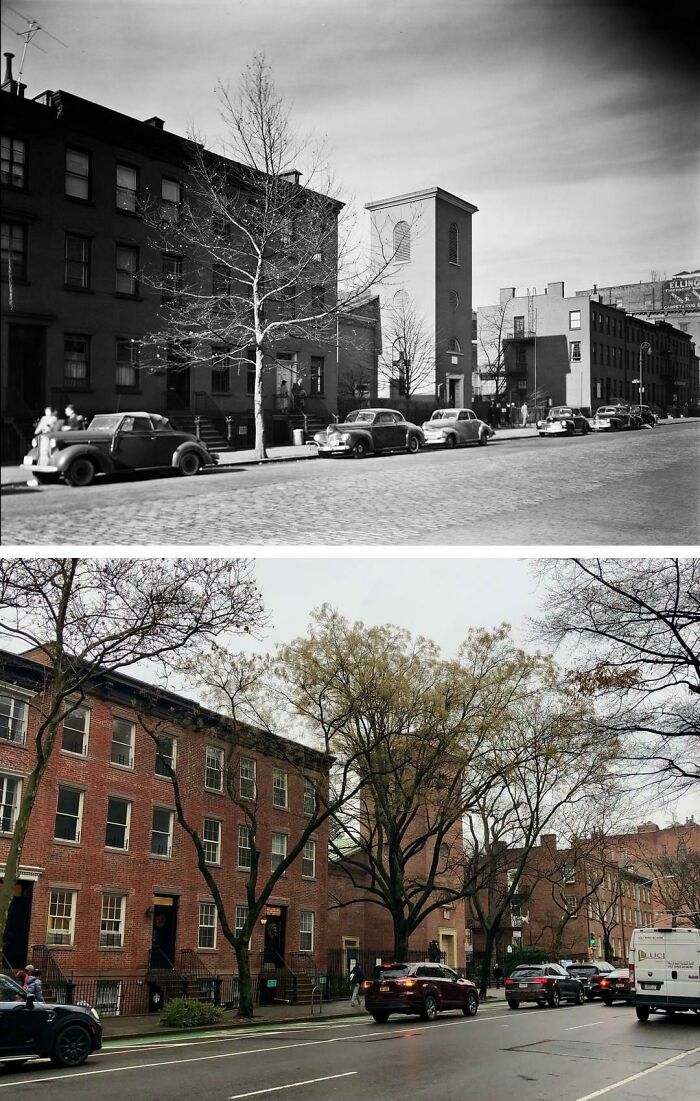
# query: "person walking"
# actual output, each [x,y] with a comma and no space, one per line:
[47,422]
[72,420]
[492,415]
[523,414]
[284,396]
[498,975]
[357,977]
[33,984]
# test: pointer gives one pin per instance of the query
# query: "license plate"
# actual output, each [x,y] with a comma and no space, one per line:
[383,989]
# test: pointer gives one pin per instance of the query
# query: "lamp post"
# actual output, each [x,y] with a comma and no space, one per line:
[645,346]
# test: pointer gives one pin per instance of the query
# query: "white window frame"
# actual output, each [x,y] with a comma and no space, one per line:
[113,922]
[214,752]
[240,918]
[173,755]
[307,928]
[7,778]
[126,826]
[75,730]
[127,194]
[78,817]
[128,755]
[575,351]
[279,784]
[568,873]
[211,845]
[278,853]
[59,896]
[18,714]
[108,996]
[247,779]
[168,854]
[308,857]
[244,831]
[309,798]
[574,319]
[209,926]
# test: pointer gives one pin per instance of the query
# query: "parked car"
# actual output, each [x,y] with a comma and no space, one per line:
[452,427]
[563,420]
[368,431]
[590,975]
[66,1034]
[544,984]
[425,989]
[611,418]
[615,986]
[115,442]
[665,971]
[645,414]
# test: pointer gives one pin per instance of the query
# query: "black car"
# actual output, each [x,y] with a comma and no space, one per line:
[66,1034]
[615,986]
[590,975]
[544,984]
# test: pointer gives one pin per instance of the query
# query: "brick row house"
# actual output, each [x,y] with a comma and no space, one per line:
[108,881]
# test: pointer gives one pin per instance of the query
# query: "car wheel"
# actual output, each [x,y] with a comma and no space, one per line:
[430,1009]
[586,428]
[607,1001]
[381,1016]
[81,472]
[450,442]
[541,1005]
[189,464]
[359,450]
[471,1006]
[483,439]
[589,997]
[579,998]
[412,445]
[71,1047]
[642,1013]
[512,1004]
[670,1013]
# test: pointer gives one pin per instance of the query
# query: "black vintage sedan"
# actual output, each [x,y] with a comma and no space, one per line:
[544,984]
[66,1034]
[369,431]
[563,420]
[113,443]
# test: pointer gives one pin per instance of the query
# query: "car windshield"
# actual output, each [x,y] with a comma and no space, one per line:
[444,415]
[161,424]
[619,973]
[360,416]
[605,409]
[525,972]
[9,989]
[105,422]
[583,971]
[397,972]
[562,411]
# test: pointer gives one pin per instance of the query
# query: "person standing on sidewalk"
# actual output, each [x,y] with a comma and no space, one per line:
[357,977]
[523,414]
[498,975]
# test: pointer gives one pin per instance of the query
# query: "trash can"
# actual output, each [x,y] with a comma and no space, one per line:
[298,437]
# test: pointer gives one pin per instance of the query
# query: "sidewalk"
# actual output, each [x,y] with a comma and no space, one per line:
[16,475]
[123,1028]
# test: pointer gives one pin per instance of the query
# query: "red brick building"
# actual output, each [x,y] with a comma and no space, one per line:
[108,879]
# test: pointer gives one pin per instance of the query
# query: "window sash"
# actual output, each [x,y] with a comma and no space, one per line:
[240,918]
[69,811]
[162,832]
[76,361]
[279,849]
[166,752]
[126,270]
[13,719]
[123,733]
[316,376]
[112,921]
[279,788]
[117,825]
[245,851]
[126,188]
[61,920]
[247,777]
[77,261]
[75,732]
[309,799]
[306,931]
[211,840]
[10,795]
[308,860]
[206,930]
[214,769]
[127,359]
[12,162]
[77,174]
[13,250]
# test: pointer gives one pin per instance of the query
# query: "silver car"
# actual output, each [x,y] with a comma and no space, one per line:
[452,427]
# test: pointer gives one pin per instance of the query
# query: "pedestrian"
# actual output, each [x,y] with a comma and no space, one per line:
[434,953]
[284,396]
[357,977]
[506,413]
[499,412]
[33,983]
[295,395]
[492,414]
[513,414]
[301,398]
[523,414]
[47,422]
[72,421]
[498,975]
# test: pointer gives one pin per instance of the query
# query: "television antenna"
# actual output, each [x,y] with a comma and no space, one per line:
[29,34]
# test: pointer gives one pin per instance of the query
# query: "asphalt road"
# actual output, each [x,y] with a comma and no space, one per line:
[567,1054]
[624,489]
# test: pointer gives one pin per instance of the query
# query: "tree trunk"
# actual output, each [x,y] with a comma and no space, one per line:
[260,452]
[486,965]
[400,939]
[245,981]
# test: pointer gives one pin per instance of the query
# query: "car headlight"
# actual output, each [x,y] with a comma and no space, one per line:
[345,437]
[53,444]
[35,441]
[94,1013]
[319,437]
[539,424]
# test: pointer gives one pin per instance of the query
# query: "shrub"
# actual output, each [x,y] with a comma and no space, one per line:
[183,1013]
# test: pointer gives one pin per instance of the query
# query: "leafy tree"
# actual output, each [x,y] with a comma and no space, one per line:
[81,617]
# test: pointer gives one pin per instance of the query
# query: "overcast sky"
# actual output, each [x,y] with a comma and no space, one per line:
[572,126]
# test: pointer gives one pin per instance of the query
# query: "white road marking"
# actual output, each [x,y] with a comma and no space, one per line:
[591,1024]
[291,1085]
[640,1074]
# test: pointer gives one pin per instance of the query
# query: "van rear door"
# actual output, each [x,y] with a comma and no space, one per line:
[683,968]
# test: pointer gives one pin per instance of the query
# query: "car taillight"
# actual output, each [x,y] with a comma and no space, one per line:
[509,982]
[631,974]
[366,984]
[406,982]
[604,982]
[544,980]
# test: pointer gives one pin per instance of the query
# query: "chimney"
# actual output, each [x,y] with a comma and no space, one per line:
[647,827]
[506,294]
[9,84]
[556,290]
[155,122]
[548,840]
[293,175]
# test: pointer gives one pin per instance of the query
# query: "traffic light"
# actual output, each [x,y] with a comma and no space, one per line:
[592,941]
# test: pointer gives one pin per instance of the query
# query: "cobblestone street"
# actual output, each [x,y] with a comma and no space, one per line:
[623,489]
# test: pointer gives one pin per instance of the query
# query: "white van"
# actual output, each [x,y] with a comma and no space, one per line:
[665,971]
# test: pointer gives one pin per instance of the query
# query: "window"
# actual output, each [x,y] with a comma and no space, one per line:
[279,787]
[214,769]
[245,853]
[162,832]
[576,351]
[519,326]
[454,243]
[247,778]
[316,380]
[77,174]
[308,860]
[211,840]
[123,734]
[166,754]
[75,732]
[171,197]
[220,371]
[108,994]
[574,319]
[77,261]
[309,798]
[127,264]
[454,347]
[12,162]
[13,719]
[286,232]
[318,299]
[118,819]
[127,356]
[306,931]
[69,813]
[289,301]
[10,793]
[127,188]
[570,902]
[402,242]
[76,362]
[240,919]
[569,873]
[279,849]
[221,280]
[112,921]
[206,934]
[171,282]
[13,251]
[454,300]
[250,374]
[61,923]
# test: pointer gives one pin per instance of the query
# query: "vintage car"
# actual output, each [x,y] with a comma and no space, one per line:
[452,427]
[112,443]
[563,420]
[368,431]
[612,418]
[646,415]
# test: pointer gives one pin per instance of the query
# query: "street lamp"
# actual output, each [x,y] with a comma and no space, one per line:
[645,346]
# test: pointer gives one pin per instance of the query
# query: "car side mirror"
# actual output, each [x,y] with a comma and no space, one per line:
[31,998]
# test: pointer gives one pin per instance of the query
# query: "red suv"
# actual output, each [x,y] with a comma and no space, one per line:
[422,988]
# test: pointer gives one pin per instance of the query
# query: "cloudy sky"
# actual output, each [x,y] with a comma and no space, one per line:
[571,125]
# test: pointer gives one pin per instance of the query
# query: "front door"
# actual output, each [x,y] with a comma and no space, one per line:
[164,932]
[26,368]
[17,929]
[275,934]
[448,948]
[455,390]
[178,388]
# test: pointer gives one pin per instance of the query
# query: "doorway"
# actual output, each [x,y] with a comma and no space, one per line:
[26,369]
[455,391]
[16,942]
[177,390]
[164,932]
[275,935]
[448,947]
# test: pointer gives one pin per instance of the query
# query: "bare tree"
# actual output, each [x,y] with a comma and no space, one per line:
[83,617]
[493,322]
[262,255]
[675,877]
[409,346]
